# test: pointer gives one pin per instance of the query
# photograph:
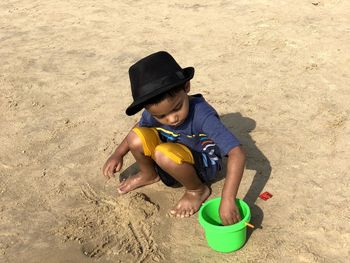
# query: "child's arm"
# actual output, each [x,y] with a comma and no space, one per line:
[235,166]
[115,162]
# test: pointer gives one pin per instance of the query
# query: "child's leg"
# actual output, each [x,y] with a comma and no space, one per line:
[142,142]
[177,161]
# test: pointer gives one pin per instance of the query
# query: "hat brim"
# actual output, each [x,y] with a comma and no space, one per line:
[139,104]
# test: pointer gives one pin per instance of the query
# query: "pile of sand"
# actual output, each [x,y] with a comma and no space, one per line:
[120,226]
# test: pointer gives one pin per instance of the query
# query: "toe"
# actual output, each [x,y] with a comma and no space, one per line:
[172,212]
[178,213]
[183,213]
[121,190]
[122,183]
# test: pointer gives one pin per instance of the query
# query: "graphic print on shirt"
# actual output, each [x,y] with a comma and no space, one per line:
[209,149]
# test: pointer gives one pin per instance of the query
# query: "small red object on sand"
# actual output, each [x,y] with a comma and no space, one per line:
[265,196]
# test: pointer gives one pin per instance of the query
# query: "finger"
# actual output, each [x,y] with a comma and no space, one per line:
[110,169]
[106,170]
[105,173]
[230,220]
[224,221]
[111,172]
[118,167]
[237,216]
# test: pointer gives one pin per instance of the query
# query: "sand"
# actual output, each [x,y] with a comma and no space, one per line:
[276,71]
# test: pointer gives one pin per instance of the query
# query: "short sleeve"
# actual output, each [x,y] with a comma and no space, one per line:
[217,131]
[147,120]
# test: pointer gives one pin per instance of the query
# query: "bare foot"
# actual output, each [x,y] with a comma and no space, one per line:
[136,181]
[190,202]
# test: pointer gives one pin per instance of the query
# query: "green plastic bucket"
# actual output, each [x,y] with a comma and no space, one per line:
[219,237]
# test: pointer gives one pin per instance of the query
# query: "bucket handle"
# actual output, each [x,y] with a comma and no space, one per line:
[249,225]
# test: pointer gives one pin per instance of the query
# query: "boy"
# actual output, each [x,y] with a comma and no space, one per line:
[179,138]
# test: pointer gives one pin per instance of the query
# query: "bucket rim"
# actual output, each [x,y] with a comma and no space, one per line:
[230,228]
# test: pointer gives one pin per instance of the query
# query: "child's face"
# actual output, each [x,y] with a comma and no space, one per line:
[172,111]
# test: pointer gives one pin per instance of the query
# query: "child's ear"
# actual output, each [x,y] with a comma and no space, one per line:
[187,86]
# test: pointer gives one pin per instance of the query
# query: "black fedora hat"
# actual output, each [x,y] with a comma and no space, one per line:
[155,75]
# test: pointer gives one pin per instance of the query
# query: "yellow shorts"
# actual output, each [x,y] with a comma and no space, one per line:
[151,142]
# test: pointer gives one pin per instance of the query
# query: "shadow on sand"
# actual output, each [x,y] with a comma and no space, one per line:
[256,160]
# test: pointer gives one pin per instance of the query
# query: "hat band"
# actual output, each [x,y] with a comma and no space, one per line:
[160,83]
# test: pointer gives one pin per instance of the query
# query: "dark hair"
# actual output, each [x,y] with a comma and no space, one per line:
[169,94]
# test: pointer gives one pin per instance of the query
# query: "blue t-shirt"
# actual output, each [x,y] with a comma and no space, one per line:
[202,131]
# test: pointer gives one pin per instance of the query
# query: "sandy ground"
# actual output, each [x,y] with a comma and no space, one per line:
[276,71]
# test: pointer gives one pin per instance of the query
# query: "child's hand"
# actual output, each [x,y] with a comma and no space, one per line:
[112,165]
[229,212]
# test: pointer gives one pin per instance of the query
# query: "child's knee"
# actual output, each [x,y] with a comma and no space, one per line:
[172,154]
[144,139]
[162,159]
[134,141]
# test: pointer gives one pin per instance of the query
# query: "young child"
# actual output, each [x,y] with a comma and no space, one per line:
[179,138]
